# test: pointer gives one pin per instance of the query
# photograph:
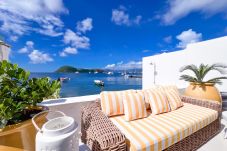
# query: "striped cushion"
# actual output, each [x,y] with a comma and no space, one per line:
[158,101]
[143,93]
[158,132]
[172,95]
[112,102]
[168,87]
[173,99]
[134,106]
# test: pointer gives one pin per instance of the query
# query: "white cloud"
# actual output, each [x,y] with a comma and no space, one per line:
[37,57]
[121,17]
[30,44]
[125,66]
[49,30]
[146,50]
[84,25]
[34,55]
[178,9]
[27,48]
[13,38]
[24,16]
[68,50]
[168,39]
[187,37]
[23,50]
[76,40]
[110,66]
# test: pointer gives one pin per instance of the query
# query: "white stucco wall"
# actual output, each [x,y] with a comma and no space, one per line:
[4,51]
[168,64]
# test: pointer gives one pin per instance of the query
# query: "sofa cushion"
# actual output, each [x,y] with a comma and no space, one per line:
[174,99]
[143,92]
[167,87]
[112,102]
[134,106]
[158,132]
[158,101]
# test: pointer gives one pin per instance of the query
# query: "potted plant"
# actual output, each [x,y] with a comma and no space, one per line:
[19,98]
[199,87]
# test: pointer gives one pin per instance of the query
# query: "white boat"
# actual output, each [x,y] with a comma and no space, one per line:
[110,73]
[99,82]
[77,72]
[126,76]
[95,72]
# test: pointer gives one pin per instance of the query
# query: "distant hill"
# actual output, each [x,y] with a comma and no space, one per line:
[70,69]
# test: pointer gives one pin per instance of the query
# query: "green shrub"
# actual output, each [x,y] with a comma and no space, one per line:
[19,93]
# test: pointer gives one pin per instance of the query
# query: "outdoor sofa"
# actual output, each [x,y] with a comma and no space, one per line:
[183,129]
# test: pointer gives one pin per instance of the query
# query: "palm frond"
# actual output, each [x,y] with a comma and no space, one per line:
[221,68]
[216,80]
[192,68]
[188,78]
[201,71]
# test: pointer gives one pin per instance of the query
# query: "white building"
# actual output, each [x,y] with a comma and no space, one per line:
[164,68]
[4,51]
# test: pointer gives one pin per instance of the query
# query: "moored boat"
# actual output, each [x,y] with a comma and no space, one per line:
[64,79]
[99,82]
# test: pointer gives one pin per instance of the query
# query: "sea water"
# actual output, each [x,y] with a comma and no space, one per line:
[83,83]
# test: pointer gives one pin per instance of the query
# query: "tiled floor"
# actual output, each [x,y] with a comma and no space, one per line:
[218,143]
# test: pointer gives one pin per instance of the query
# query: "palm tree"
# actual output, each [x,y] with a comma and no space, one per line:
[201,71]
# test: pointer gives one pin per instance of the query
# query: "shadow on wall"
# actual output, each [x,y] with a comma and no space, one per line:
[54,101]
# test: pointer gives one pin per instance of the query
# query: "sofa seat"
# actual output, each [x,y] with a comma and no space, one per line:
[158,132]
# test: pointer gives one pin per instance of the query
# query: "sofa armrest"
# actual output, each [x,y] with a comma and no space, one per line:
[204,103]
[98,132]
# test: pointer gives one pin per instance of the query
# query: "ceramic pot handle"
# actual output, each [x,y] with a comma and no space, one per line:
[33,118]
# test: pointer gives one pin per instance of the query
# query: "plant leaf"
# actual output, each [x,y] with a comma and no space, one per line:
[216,80]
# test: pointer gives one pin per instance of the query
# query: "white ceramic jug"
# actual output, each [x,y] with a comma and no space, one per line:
[57,134]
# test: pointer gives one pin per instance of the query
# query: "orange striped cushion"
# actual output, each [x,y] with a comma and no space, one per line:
[134,106]
[173,99]
[172,95]
[158,101]
[112,102]
[168,87]
[143,93]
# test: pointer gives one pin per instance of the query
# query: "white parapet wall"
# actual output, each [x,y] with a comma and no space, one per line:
[168,64]
[70,106]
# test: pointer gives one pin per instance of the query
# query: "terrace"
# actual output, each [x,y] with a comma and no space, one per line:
[163,69]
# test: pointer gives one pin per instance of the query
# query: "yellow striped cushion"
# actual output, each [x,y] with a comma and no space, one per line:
[158,101]
[134,106]
[173,99]
[112,102]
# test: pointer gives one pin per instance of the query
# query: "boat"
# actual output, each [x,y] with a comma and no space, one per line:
[95,72]
[77,72]
[134,76]
[110,73]
[64,79]
[99,82]
[126,76]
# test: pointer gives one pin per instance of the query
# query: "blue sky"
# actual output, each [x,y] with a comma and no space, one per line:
[115,34]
